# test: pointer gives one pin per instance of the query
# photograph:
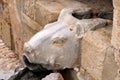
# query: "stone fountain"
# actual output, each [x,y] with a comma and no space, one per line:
[57,46]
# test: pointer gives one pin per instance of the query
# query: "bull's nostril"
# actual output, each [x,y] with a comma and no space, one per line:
[25,59]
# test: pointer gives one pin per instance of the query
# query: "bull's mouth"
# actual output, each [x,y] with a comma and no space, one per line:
[38,68]
[32,66]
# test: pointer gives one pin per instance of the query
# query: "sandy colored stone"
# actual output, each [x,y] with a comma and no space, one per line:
[48,11]
[5,32]
[38,13]
[116,4]
[116,30]
[110,68]
[27,32]
[8,59]
[99,5]
[117,59]
[93,47]
[84,75]
[16,27]
[30,23]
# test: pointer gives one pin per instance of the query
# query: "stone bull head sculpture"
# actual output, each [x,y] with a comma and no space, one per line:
[57,45]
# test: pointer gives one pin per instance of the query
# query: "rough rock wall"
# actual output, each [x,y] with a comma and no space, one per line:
[32,21]
[99,5]
[5,26]
[116,33]
[97,54]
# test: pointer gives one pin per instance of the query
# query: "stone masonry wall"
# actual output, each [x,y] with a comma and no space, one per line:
[5,26]
[21,19]
[116,33]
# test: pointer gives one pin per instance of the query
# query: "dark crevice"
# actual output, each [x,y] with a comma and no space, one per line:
[93,14]
[38,72]
[27,74]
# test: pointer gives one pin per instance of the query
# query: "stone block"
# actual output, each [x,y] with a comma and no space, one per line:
[31,23]
[48,11]
[116,4]
[93,51]
[116,30]
[84,75]
[110,67]
[5,33]
[16,26]
[27,32]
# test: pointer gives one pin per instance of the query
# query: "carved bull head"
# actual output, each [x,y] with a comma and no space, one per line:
[57,45]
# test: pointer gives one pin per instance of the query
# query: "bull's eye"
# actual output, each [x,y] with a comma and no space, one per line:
[27,52]
[59,41]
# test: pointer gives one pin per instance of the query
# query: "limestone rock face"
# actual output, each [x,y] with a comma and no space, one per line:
[116,4]
[5,27]
[116,23]
[116,29]
[110,68]
[94,45]
[45,11]
[116,32]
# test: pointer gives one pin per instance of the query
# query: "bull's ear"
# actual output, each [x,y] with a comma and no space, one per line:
[78,31]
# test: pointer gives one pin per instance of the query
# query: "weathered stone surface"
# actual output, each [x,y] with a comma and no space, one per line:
[99,5]
[27,32]
[93,51]
[110,68]
[116,30]
[53,76]
[8,60]
[117,59]
[48,11]
[116,4]
[42,12]
[5,32]
[84,75]
[16,26]
[30,23]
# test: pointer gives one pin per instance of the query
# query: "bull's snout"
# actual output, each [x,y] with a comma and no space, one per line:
[32,66]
